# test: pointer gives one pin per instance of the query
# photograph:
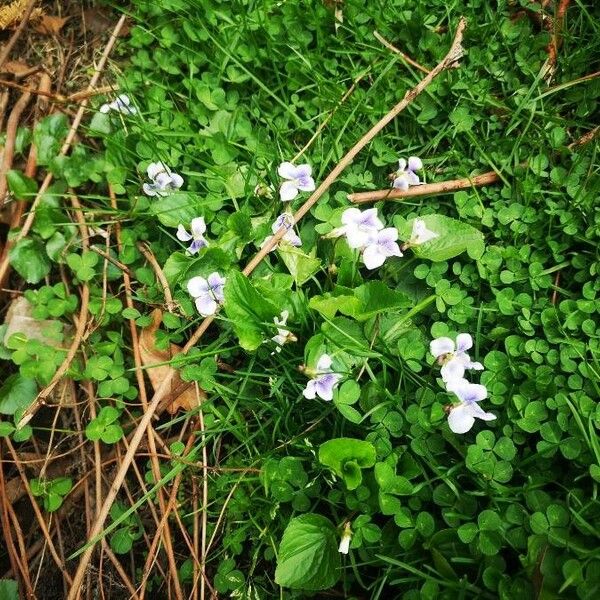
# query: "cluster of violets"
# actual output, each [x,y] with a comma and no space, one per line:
[455,361]
[364,231]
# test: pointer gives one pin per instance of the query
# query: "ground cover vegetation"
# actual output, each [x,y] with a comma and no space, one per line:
[400,400]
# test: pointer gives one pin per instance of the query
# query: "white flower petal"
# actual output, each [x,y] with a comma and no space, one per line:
[206,305]
[287,170]
[154,169]
[373,257]
[310,391]
[288,191]
[150,189]
[453,370]
[460,419]
[440,346]
[324,363]
[198,227]
[464,342]
[197,286]
[479,413]
[182,234]
[105,108]
[415,163]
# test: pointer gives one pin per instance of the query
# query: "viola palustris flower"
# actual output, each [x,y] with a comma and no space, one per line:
[207,293]
[298,179]
[323,380]
[163,180]
[406,176]
[121,104]
[461,417]
[380,247]
[290,236]
[454,357]
[198,228]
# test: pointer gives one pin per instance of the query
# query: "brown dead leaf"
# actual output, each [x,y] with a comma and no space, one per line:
[50,25]
[15,67]
[97,21]
[183,395]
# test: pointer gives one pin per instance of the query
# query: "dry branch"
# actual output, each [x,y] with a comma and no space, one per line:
[449,61]
[427,189]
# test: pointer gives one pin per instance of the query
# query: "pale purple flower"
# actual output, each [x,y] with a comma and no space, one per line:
[121,104]
[198,228]
[462,416]
[207,293]
[359,227]
[454,358]
[420,234]
[405,176]
[381,246]
[323,382]
[298,179]
[163,180]
[283,335]
[290,236]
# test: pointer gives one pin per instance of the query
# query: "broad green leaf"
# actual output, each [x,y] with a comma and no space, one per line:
[100,124]
[251,313]
[300,265]
[175,208]
[48,137]
[454,238]
[346,457]
[29,259]
[308,556]
[16,393]
[9,589]
[23,187]
[120,541]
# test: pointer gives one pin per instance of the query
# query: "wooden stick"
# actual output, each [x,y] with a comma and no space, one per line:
[145,250]
[427,189]
[449,61]
[404,56]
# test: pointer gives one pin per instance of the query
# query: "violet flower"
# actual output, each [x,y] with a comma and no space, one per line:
[121,104]
[198,228]
[405,176]
[420,234]
[323,382]
[207,293]
[163,180]
[454,358]
[284,335]
[380,247]
[359,227]
[298,180]
[290,236]
[462,416]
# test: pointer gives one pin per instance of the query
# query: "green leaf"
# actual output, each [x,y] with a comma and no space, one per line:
[120,541]
[100,124]
[467,532]
[175,208]
[48,137]
[9,589]
[300,265]
[16,393]
[389,482]
[23,187]
[346,457]
[454,238]
[250,312]
[29,259]
[308,556]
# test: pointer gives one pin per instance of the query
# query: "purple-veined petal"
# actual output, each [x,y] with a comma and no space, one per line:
[182,234]
[306,184]
[287,170]
[370,219]
[198,286]
[441,346]
[324,363]
[389,234]
[325,385]
[401,182]
[373,257]
[414,163]
[303,171]
[464,342]
[162,180]
[198,227]
[310,391]
[150,189]
[467,392]
[206,305]
[453,370]
[288,191]
[196,246]
[460,419]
